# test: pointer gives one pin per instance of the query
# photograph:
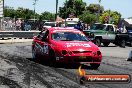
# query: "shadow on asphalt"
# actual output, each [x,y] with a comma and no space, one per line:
[61,65]
[9,83]
[127,45]
[109,46]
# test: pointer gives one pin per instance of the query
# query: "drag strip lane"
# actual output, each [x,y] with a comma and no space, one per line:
[36,75]
[29,74]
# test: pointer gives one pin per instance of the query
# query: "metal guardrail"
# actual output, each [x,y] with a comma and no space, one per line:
[18,34]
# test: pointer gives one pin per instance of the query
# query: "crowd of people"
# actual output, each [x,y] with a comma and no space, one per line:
[26,25]
[21,25]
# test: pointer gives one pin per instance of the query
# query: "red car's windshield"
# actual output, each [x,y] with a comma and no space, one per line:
[68,36]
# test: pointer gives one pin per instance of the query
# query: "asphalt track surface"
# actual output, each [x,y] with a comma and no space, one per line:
[17,70]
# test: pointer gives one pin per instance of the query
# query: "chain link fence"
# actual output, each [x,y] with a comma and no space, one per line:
[10,24]
[7,24]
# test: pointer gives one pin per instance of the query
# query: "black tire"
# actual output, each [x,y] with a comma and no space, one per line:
[131,44]
[98,42]
[52,58]
[106,44]
[94,66]
[34,56]
[123,43]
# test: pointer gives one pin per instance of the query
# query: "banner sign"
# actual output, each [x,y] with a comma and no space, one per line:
[1,8]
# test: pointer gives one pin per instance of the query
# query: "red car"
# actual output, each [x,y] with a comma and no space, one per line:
[66,45]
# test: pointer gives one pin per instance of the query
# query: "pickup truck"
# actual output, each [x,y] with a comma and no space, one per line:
[106,34]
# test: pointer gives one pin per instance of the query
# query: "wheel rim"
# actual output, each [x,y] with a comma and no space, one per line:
[33,54]
[123,43]
[98,43]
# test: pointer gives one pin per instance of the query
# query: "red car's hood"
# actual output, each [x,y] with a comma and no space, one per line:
[76,45]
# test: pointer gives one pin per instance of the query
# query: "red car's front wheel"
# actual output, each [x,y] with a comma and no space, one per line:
[52,58]
[94,66]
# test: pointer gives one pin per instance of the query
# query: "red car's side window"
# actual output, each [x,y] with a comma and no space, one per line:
[46,35]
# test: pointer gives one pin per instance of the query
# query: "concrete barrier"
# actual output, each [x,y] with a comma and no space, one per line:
[15,41]
[18,34]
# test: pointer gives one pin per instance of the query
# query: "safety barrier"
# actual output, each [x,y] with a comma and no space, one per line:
[18,34]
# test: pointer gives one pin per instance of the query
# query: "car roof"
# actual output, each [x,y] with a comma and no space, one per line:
[50,22]
[63,29]
[108,24]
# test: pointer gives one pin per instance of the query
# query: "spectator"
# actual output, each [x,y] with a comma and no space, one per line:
[18,25]
[124,30]
[40,25]
[27,26]
[22,25]
[10,24]
[79,26]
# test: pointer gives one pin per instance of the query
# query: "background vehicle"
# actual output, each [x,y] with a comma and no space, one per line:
[49,24]
[106,34]
[71,24]
[66,45]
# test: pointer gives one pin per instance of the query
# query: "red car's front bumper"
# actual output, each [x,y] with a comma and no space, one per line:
[79,59]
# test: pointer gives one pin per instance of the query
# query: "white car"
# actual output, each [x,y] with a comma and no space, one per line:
[49,24]
[71,24]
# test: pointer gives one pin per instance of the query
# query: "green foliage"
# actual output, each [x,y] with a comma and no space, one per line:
[87,17]
[113,17]
[47,16]
[9,12]
[95,8]
[19,13]
[72,6]
[27,14]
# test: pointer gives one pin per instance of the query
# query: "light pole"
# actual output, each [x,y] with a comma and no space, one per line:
[34,4]
[56,9]
[66,13]
[98,14]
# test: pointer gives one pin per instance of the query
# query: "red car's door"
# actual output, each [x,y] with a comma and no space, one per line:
[37,46]
[44,51]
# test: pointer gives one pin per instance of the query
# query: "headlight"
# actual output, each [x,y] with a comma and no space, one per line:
[64,52]
[97,53]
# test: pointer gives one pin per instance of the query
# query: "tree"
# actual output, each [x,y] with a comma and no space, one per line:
[94,8]
[110,17]
[19,13]
[87,17]
[9,12]
[47,16]
[25,13]
[72,6]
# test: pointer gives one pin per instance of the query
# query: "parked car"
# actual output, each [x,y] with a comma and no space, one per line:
[71,24]
[49,24]
[66,45]
[106,34]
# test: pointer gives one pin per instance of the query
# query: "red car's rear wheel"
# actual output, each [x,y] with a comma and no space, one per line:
[34,56]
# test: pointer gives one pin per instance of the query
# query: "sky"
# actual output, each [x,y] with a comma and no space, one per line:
[122,6]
